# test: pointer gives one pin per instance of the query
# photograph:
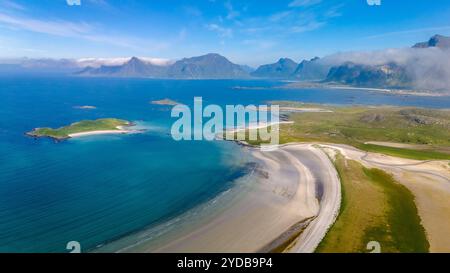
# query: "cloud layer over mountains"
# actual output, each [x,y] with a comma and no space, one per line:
[425,66]
[429,68]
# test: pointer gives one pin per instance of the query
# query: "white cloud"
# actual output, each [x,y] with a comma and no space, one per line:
[409,31]
[259,44]
[12,5]
[222,31]
[79,30]
[276,17]
[60,28]
[192,11]
[97,62]
[182,34]
[310,26]
[429,67]
[232,13]
[304,3]
[292,21]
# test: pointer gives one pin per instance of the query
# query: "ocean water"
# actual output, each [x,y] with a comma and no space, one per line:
[97,189]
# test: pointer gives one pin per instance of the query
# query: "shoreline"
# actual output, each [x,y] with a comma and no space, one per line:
[283,205]
[256,126]
[291,85]
[120,130]
[262,212]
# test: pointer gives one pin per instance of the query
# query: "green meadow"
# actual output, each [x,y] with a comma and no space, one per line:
[426,130]
[374,207]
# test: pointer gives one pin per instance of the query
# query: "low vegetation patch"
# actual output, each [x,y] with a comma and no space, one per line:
[357,125]
[374,208]
[79,127]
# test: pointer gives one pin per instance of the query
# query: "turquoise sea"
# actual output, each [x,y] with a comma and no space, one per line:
[97,189]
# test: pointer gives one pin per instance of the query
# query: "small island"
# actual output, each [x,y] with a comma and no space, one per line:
[85,107]
[84,128]
[165,102]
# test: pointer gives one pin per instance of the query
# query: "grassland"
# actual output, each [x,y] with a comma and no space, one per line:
[355,126]
[432,154]
[374,208]
[79,127]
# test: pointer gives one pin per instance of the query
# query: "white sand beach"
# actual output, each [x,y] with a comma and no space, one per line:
[256,126]
[279,195]
[120,130]
[289,201]
[92,133]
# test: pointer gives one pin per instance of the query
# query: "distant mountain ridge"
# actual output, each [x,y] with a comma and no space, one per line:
[286,68]
[438,41]
[133,68]
[283,68]
[209,66]
[311,70]
[385,76]
[424,66]
[423,74]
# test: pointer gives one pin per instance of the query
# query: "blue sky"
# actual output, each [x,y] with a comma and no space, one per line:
[246,31]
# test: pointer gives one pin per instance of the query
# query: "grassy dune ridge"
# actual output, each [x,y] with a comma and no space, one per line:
[374,208]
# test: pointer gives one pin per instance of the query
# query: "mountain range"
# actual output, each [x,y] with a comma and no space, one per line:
[388,75]
[282,69]
[420,61]
[311,70]
[423,70]
[209,66]
[135,67]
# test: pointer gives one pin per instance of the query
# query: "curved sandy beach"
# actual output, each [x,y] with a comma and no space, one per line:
[93,133]
[330,202]
[287,190]
[119,130]
[295,190]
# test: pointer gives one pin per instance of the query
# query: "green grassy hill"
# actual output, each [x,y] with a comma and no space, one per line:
[79,127]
